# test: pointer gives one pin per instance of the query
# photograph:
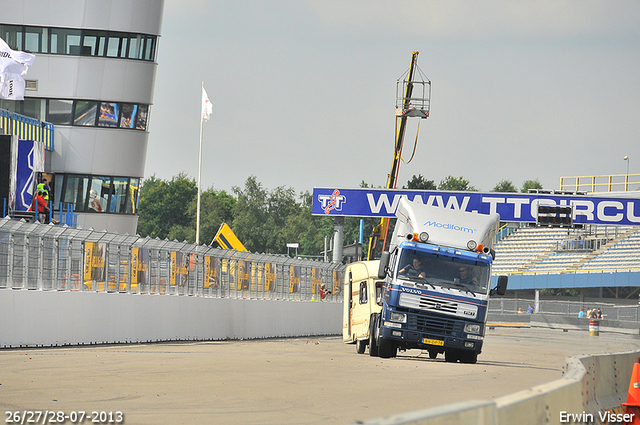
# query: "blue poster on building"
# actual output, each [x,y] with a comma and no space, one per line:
[30,161]
[622,208]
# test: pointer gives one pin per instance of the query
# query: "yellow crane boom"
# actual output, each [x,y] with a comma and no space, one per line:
[406,106]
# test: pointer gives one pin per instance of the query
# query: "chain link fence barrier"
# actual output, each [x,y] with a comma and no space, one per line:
[36,256]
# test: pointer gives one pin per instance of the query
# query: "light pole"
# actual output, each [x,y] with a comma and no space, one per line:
[626,158]
[626,179]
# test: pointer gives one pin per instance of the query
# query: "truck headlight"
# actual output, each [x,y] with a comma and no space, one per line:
[472,328]
[398,317]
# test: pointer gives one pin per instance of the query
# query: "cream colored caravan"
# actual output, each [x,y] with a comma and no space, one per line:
[362,290]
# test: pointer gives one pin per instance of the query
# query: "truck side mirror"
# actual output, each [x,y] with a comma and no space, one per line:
[501,289]
[384,265]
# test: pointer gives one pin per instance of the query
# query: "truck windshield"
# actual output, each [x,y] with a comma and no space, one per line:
[427,270]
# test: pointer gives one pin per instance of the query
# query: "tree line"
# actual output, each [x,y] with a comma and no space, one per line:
[264,220]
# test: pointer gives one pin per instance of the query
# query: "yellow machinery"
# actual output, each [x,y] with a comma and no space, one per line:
[227,239]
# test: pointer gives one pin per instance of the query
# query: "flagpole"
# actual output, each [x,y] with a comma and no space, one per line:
[199,167]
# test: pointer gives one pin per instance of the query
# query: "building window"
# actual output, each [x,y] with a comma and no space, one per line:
[128,115]
[65,41]
[34,107]
[119,197]
[85,113]
[136,47]
[10,105]
[96,194]
[141,117]
[59,111]
[132,201]
[93,43]
[117,46]
[99,194]
[108,115]
[12,35]
[73,191]
[36,40]
[81,112]
[69,41]
[150,48]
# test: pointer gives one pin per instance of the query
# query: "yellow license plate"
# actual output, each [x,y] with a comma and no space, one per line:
[432,341]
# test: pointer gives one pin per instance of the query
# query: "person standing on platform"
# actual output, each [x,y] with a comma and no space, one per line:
[41,208]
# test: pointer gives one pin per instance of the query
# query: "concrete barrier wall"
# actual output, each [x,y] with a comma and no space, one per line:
[55,318]
[591,384]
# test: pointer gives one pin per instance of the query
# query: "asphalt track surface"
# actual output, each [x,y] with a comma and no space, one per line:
[279,381]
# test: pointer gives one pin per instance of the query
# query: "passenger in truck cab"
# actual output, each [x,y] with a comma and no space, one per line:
[414,268]
[465,276]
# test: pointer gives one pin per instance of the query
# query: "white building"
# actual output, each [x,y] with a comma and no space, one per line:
[93,78]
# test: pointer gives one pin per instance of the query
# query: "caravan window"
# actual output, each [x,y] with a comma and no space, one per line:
[363,293]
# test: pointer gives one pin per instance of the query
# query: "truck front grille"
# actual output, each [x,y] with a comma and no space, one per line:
[419,302]
[435,325]
[438,305]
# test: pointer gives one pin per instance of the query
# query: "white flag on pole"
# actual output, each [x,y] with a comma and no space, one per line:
[207,106]
[13,65]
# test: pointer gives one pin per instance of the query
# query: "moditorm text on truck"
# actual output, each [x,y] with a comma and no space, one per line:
[430,290]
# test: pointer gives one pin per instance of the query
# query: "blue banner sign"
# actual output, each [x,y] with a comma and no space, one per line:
[30,160]
[623,209]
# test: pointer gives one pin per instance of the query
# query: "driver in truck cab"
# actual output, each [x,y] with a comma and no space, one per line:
[465,276]
[414,268]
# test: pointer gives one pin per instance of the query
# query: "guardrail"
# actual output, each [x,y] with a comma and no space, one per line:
[48,257]
[592,387]
[27,128]
[569,309]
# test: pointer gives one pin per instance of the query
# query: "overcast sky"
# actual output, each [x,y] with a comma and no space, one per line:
[304,91]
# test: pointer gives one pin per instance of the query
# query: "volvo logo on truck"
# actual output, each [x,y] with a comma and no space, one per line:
[411,291]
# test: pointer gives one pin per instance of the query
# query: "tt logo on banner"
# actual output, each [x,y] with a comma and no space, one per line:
[332,202]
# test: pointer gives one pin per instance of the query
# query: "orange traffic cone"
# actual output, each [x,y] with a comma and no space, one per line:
[632,410]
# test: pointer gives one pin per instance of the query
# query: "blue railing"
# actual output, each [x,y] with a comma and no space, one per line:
[27,128]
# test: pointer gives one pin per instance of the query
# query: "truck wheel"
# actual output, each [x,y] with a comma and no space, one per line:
[387,349]
[433,354]
[469,357]
[373,346]
[450,356]
[360,346]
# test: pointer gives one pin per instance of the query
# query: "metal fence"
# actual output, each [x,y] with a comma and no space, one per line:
[49,257]
[611,311]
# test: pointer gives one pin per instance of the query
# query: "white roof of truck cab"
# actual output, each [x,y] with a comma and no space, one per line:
[445,226]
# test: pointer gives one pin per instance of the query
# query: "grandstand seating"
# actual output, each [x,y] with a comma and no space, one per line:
[534,250]
[624,254]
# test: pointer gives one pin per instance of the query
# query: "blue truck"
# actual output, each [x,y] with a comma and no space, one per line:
[430,290]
